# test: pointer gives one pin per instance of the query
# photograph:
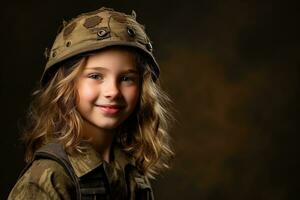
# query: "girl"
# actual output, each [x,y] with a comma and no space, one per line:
[99,121]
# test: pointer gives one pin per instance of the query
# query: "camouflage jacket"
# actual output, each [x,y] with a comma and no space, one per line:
[45,178]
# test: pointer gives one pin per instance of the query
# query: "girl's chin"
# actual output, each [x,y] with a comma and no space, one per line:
[108,125]
[101,125]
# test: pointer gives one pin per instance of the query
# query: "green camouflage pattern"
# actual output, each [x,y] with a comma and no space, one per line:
[47,179]
[94,31]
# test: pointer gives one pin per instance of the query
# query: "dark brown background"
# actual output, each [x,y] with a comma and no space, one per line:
[231,67]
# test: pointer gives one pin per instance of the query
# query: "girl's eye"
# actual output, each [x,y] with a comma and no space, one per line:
[128,79]
[95,76]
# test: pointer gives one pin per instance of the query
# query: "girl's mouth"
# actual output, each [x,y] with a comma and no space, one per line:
[111,109]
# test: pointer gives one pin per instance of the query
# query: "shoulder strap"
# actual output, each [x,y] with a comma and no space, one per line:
[143,190]
[56,152]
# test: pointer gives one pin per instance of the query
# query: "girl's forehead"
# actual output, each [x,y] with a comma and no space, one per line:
[112,58]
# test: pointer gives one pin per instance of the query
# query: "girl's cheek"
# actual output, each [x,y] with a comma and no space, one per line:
[88,92]
[134,94]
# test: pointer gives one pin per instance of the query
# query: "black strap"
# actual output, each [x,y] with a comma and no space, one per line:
[56,152]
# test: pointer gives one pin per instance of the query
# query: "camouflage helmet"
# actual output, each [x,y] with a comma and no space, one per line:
[97,30]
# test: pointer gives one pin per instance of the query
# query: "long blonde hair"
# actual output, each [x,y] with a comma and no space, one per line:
[144,135]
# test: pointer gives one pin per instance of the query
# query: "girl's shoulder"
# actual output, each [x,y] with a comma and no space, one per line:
[44,179]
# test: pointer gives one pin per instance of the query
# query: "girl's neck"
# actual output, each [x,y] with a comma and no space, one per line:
[100,139]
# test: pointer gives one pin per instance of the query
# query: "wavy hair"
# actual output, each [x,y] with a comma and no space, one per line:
[144,135]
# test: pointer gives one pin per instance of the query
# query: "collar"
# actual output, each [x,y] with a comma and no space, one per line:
[90,159]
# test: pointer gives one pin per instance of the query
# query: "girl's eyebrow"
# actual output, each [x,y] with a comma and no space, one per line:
[134,71]
[97,68]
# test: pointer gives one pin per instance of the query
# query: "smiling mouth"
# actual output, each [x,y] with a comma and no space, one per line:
[110,109]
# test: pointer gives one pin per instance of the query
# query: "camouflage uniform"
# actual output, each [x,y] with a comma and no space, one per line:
[47,179]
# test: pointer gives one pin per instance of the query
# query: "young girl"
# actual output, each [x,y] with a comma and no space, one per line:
[99,121]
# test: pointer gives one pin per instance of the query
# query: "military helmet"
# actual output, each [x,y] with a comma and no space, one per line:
[97,30]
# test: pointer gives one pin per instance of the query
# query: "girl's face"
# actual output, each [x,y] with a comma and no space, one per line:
[108,88]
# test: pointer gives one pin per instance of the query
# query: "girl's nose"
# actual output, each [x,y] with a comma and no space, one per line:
[111,89]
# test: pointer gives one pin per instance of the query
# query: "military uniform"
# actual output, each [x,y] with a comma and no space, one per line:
[45,178]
